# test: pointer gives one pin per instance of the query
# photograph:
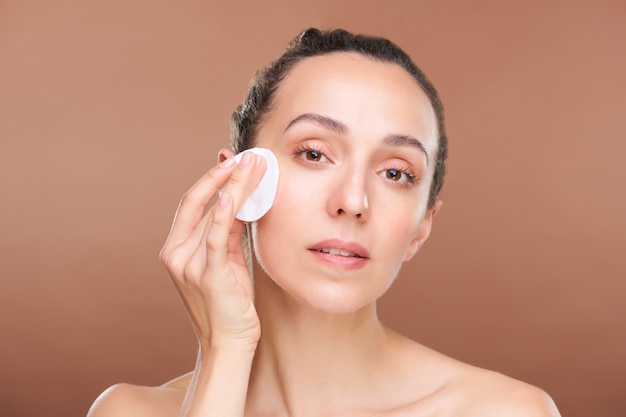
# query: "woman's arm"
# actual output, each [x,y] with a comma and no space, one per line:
[219,384]
[204,256]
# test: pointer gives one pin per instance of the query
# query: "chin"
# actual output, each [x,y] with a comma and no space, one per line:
[332,297]
[337,305]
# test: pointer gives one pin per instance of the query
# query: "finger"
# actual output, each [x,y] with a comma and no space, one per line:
[193,203]
[240,184]
[245,178]
[196,242]
[177,257]
[219,230]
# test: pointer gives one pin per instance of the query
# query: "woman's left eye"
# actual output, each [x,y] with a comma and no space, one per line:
[398,175]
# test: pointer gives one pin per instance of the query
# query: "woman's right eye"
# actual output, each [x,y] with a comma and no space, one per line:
[308,153]
[312,155]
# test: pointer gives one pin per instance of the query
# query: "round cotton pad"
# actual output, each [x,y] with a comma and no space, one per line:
[262,197]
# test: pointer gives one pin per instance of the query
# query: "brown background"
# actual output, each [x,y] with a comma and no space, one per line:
[109,110]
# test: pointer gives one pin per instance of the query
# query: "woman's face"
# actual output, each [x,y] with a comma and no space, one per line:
[355,141]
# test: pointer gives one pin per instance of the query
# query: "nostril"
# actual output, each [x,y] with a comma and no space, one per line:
[342,211]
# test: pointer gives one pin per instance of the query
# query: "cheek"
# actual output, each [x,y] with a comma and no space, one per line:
[295,203]
[298,195]
[400,225]
[401,231]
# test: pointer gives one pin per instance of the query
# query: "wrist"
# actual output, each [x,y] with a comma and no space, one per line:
[218,343]
[227,350]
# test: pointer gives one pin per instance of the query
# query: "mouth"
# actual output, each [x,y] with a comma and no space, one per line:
[339,252]
[340,248]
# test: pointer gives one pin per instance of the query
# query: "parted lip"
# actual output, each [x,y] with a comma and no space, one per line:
[337,244]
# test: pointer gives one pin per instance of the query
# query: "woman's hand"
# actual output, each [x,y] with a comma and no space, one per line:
[204,256]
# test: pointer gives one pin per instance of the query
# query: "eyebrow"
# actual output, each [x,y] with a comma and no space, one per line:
[405,140]
[340,128]
[324,121]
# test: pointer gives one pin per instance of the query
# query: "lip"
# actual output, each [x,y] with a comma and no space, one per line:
[360,258]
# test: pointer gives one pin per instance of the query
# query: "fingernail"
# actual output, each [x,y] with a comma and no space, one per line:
[246,159]
[227,163]
[224,200]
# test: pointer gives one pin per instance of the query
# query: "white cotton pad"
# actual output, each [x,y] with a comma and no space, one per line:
[262,197]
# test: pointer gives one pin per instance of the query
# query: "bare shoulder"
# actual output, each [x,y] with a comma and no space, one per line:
[121,400]
[442,386]
[486,393]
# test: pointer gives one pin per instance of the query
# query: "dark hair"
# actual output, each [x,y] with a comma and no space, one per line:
[313,42]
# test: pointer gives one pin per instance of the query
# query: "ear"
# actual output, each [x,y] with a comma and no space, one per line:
[423,230]
[224,154]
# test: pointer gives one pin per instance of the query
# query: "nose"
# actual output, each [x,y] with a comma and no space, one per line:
[349,197]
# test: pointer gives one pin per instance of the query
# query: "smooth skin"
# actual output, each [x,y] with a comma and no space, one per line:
[304,339]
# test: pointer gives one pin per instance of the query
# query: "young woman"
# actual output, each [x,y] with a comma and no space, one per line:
[359,137]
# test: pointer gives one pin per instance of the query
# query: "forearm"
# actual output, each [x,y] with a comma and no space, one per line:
[219,385]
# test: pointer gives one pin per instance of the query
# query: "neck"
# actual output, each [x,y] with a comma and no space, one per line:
[309,361]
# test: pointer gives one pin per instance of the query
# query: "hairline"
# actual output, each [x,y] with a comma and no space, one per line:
[299,59]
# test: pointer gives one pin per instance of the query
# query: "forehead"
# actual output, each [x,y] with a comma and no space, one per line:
[372,98]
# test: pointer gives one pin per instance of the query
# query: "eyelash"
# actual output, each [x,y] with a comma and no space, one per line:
[304,148]
[402,170]
[410,177]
